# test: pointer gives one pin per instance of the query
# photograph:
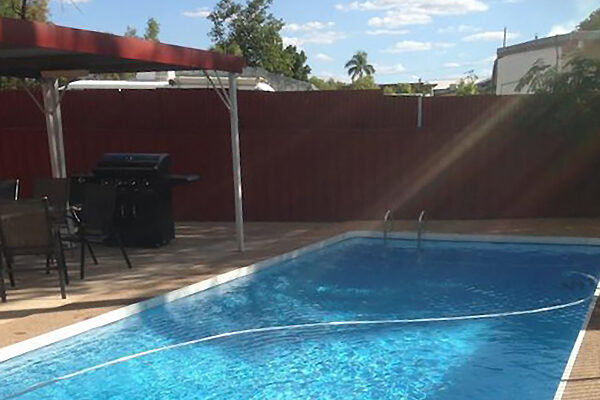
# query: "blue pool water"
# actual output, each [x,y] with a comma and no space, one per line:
[280,346]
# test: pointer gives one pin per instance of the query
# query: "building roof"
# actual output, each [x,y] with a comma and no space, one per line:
[27,49]
[551,41]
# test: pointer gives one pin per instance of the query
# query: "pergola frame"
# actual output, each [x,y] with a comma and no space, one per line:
[47,52]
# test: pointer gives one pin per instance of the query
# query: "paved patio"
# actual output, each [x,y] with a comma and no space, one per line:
[206,249]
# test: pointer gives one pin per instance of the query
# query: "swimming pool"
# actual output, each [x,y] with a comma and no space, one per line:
[354,320]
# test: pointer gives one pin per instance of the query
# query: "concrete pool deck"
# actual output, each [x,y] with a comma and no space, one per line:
[206,249]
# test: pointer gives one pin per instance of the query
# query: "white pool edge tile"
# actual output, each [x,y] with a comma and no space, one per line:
[459,237]
[560,391]
[45,339]
[26,346]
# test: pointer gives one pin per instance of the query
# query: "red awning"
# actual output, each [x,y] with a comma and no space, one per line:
[28,48]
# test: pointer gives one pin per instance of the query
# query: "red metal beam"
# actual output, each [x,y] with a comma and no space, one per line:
[39,45]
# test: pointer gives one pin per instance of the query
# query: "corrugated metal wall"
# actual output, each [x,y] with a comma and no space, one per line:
[323,156]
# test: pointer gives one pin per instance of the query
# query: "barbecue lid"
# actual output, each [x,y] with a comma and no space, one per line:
[133,162]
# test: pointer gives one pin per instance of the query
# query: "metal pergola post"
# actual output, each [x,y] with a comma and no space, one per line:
[420,111]
[53,116]
[48,51]
[235,151]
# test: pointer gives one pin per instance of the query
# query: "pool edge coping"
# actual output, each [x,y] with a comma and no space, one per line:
[45,339]
[66,332]
[566,376]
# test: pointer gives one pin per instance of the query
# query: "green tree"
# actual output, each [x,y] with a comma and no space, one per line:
[232,49]
[567,100]
[298,69]
[366,82]
[389,90]
[467,86]
[151,33]
[252,29]
[405,88]
[401,88]
[329,84]
[359,66]
[591,23]
[152,30]
[578,76]
[222,32]
[31,10]
[538,79]
[131,31]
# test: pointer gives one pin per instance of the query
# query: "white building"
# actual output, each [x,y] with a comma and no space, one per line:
[255,79]
[513,62]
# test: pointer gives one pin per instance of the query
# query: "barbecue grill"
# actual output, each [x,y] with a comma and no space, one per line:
[143,212]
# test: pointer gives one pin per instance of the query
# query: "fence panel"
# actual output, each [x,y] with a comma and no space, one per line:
[322,156]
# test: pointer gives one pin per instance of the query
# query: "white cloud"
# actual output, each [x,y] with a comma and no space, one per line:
[434,7]
[409,45]
[398,13]
[382,69]
[201,12]
[459,29]
[314,37]
[561,29]
[323,57]
[380,32]
[308,26]
[406,46]
[397,19]
[452,65]
[490,36]
[315,32]
[290,41]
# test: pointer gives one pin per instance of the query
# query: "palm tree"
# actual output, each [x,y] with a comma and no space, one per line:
[358,66]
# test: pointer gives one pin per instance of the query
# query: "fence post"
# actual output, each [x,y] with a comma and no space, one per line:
[420,111]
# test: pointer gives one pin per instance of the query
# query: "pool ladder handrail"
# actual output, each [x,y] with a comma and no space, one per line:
[388,224]
[420,225]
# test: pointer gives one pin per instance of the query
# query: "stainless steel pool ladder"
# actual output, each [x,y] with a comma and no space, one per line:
[388,224]
[420,225]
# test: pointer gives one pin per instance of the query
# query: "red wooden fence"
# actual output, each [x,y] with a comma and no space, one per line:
[323,156]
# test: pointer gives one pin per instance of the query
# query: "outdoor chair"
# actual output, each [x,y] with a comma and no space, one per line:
[94,222]
[76,190]
[26,229]
[9,189]
[57,192]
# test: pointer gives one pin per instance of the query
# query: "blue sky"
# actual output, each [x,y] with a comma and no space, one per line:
[405,39]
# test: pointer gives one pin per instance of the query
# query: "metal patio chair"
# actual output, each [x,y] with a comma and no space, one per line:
[94,222]
[57,192]
[9,189]
[26,229]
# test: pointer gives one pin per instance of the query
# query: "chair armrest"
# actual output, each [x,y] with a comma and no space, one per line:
[74,214]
